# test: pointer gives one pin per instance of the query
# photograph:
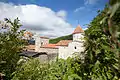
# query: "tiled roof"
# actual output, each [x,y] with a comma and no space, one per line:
[63,43]
[49,46]
[44,37]
[78,30]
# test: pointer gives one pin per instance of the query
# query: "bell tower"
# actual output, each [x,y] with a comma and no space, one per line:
[78,34]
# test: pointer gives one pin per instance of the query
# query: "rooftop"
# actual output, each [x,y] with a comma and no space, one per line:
[78,30]
[63,43]
[49,46]
[31,54]
[44,37]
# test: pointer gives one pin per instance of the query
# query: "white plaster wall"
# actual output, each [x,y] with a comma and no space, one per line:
[78,37]
[72,50]
[37,43]
[78,45]
[65,52]
[44,41]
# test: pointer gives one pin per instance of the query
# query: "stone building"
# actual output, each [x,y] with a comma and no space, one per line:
[75,46]
[64,48]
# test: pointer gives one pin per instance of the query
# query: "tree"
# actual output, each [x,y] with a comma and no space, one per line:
[34,70]
[102,45]
[112,2]
[56,40]
[10,45]
[31,70]
[102,59]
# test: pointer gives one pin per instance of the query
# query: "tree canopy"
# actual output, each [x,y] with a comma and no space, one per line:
[10,45]
[56,40]
[102,53]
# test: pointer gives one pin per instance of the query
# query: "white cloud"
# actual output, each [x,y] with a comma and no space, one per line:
[86,2]
[85,28]
[38,19]
[78,9]
[62,14]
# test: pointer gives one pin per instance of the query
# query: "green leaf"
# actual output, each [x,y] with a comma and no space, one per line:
[75,76]
[114,9]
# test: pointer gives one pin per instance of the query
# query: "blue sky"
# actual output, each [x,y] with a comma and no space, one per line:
[84,15]
[73,10]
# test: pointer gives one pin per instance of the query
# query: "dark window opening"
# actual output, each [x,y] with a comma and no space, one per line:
[75,47]
[41,43]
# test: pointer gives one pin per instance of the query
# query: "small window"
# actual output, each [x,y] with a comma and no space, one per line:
[41,43]
[75,47]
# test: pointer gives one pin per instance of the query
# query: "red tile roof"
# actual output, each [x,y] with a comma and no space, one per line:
[60,43]
[44,37]
[78,30]
[49,46]
[63,43]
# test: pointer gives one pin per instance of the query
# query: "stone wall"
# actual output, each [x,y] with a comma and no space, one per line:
[49,50]
[52,53]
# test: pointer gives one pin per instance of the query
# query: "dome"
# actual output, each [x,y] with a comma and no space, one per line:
[78,30]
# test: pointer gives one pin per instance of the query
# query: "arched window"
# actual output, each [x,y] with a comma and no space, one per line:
[75,47]
[41,43]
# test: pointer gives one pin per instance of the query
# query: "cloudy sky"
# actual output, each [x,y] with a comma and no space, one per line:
[51,18]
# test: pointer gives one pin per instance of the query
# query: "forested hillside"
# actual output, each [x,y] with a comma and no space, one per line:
[56,40]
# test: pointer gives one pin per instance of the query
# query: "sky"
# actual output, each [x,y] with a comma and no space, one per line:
[51,18]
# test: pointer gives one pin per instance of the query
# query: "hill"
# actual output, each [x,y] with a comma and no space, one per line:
[56,40]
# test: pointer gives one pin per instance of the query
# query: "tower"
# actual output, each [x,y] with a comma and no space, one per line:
[40,41]
[37,43]
[78,34]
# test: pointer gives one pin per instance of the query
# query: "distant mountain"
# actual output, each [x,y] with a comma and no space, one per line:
[56,40]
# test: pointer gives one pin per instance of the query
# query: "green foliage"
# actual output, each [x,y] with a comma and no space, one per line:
[56,40]
[102,46]
[62,70]
[31,70]
[10,46]
[102,58]
[112,2]
[34,70]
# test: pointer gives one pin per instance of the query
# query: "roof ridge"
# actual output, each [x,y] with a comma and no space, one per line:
[78,29]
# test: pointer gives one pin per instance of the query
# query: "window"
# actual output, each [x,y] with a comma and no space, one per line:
[41,43]
[75,47]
